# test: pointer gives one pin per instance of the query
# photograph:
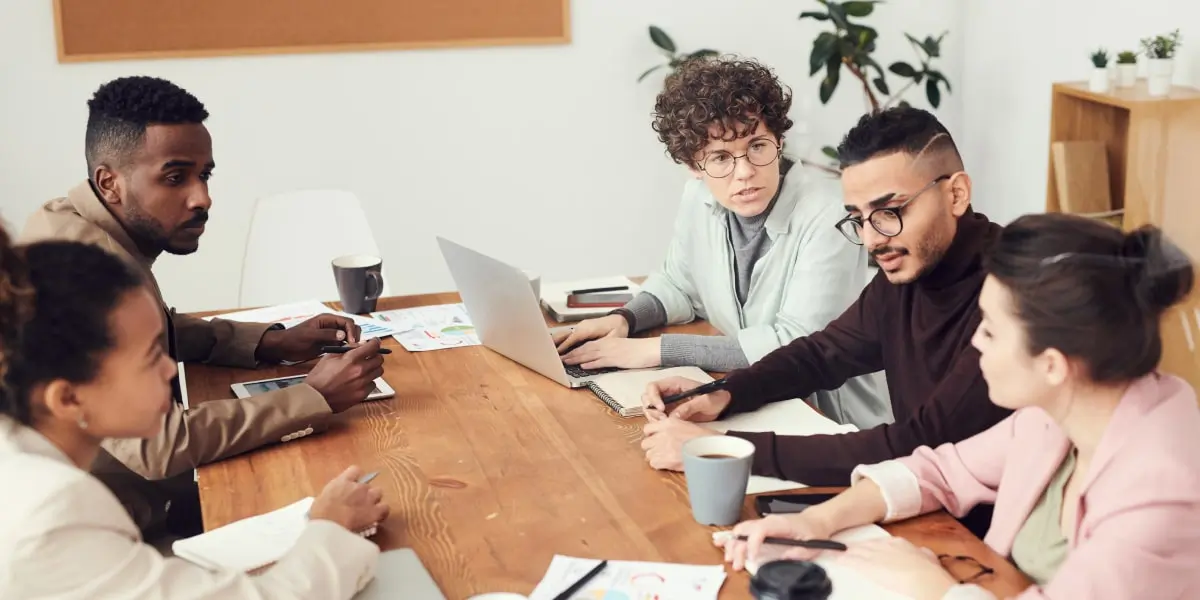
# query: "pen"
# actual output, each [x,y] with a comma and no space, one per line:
[619,288]
[815,544]
[345,349]
[575,587]
[364,480]
[709,387]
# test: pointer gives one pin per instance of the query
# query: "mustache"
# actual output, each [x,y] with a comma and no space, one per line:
[887,250]
[199,219]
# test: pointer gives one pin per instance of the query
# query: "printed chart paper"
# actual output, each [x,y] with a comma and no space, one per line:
[427,328]
[621,580]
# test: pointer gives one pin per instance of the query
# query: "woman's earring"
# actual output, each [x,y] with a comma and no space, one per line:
[82,422]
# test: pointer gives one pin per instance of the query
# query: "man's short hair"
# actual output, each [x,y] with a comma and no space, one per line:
[735,94]
[913,131]
[121,109]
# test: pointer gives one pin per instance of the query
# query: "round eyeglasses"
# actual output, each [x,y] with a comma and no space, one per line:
[885,220]
[721,163]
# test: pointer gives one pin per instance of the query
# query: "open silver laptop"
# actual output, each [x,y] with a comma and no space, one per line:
[507,315]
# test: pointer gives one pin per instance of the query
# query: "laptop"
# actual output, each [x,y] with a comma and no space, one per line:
[507,315]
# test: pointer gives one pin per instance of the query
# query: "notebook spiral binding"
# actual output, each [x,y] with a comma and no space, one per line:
[602,395]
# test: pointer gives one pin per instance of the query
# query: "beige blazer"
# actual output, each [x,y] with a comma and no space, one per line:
[63,535]
[208,431]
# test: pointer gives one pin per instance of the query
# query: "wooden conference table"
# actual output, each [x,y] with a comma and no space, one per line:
[491,469]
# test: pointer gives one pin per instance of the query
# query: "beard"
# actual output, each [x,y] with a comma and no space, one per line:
[152,237]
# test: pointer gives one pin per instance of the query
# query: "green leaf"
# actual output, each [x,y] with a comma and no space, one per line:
[824,47]
[932,92]
[811,14]
[859,8]
[931,47]
[649,71]
[881,85]
[703,53]
[830,151]
[913,39]
[661,39]
[902,69]
[937,76]
[903,104]
[838,13]
[833,71]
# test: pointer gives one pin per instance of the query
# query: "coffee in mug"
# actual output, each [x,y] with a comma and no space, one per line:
[717,468]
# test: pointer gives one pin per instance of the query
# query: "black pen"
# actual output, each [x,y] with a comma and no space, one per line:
[619,288]
[814,544]
[707,388]
[567,593]
[345,349]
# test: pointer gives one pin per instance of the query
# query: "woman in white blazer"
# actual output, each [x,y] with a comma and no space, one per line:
[81,361]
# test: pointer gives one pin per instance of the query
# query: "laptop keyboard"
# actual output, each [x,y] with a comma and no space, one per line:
[578,371]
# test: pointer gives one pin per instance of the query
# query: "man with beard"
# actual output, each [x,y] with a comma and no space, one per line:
[149,159]
[908,201]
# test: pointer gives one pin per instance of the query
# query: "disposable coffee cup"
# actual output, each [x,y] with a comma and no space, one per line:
[791,580]
[717,468]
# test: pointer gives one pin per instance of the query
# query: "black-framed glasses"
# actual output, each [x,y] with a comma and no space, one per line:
[721,163]
[885,220]
[976,569]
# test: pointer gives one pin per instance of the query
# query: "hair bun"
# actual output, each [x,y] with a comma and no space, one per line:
[1162,271]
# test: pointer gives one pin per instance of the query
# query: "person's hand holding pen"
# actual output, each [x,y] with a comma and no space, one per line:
[685,399]
[348,501]
[346,379]
[745,542]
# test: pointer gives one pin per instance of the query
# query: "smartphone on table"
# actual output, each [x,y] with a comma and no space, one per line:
[788,503]
[599,300]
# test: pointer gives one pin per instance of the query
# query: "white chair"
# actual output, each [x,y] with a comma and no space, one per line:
[293,237]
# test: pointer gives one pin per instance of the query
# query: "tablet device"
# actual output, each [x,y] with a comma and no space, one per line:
[253,388]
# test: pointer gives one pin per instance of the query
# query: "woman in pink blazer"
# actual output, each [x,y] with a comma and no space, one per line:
[1096,475]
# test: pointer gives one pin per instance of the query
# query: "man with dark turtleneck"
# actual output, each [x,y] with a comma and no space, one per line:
[908,202]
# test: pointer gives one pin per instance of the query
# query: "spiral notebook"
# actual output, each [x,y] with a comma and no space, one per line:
[252,542]
[622,390]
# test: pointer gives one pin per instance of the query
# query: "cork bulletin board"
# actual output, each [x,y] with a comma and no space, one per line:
[97,30]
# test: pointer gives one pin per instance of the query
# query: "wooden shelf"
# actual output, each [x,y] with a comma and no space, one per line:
[1152,144]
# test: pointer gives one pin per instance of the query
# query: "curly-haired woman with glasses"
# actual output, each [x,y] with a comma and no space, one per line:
[754,249]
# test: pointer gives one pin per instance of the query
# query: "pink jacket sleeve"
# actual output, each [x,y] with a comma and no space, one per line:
[953,476]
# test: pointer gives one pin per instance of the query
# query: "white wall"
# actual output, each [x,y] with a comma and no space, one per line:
[1015,50]
[542,155]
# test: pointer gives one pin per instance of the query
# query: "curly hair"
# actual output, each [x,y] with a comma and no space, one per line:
[55,302]
[120,110]
[730,93]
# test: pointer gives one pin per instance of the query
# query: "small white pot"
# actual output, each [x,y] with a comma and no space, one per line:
[1126,75]
[1159,72]
[1099,81]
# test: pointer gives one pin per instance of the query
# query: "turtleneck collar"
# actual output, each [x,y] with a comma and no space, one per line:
[964,257]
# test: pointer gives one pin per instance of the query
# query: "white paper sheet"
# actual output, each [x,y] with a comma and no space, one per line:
[788,417]
[427,328]
[847,583]
[290,315]
[624,580]
[249,543]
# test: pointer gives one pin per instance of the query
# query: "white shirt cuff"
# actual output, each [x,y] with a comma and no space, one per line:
[968,591]
[900,487]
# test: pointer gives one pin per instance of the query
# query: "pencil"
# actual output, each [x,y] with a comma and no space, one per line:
[345,349]
[575,587]
[814,544]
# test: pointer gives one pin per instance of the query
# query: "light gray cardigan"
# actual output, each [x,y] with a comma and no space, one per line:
[809,276]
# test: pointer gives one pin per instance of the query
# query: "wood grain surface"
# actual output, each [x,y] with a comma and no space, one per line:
[492,469]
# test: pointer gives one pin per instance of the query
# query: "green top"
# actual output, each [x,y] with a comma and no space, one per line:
[1040,546]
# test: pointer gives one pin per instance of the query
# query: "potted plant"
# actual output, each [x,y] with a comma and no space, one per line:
[1160,55]
[1099,80]
[1126,68]
[674,57]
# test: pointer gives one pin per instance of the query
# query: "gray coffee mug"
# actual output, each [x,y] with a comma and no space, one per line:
[359,280]
[718,470]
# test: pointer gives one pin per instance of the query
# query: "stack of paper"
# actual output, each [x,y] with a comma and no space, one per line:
[290,315]
[554,297]
[631,580]
[250,543]
[788,417]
